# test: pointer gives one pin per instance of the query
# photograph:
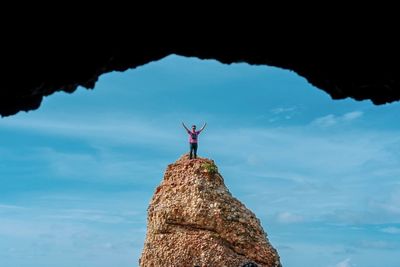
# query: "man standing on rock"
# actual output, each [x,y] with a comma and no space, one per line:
[193,138]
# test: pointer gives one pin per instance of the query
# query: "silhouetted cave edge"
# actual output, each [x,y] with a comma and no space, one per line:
[347,74]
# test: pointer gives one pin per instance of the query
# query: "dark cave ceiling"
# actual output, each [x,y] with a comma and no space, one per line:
[350,68]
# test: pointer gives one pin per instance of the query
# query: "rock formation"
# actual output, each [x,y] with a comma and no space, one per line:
[193,220]
[343,62]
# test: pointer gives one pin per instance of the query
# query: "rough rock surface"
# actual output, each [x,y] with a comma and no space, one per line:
[193,220]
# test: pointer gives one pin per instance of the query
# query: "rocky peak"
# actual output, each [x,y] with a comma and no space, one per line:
[193,220]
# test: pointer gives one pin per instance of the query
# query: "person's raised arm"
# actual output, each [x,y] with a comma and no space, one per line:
[204,126]
[184,126]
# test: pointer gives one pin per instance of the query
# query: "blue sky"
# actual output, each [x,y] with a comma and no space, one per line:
[76,176]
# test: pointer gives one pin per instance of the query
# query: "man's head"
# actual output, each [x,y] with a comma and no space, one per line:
[193,127]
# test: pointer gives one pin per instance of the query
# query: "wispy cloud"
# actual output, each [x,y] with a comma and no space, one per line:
[325,121]
[105,165]
[377,244]
[331,119]
[280,113]
[344,263]
[98,228]
[352,115]
[330,172]
[389,203]
[391,230]
[98,216]
[288,217]
[303,150]
[100,128]
[10,207]
[280,110]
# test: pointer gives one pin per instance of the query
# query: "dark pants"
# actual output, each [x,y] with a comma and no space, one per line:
[193,148]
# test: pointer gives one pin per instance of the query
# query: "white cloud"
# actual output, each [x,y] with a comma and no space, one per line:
[104,166]
[331,119]
[10,207]
[332,173]
[102,129]
[99,227]
[298,148]
[352,115]
[45,240]
[280,113]
[391,230]
[106,217]
[326,121]
[283,110]
[288,217]
[390,204]
[376,244]
[344,263]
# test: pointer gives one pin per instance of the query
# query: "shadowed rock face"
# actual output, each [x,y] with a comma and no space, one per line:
[193,220]
[342,65]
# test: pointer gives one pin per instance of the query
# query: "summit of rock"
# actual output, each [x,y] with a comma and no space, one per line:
[193,220]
